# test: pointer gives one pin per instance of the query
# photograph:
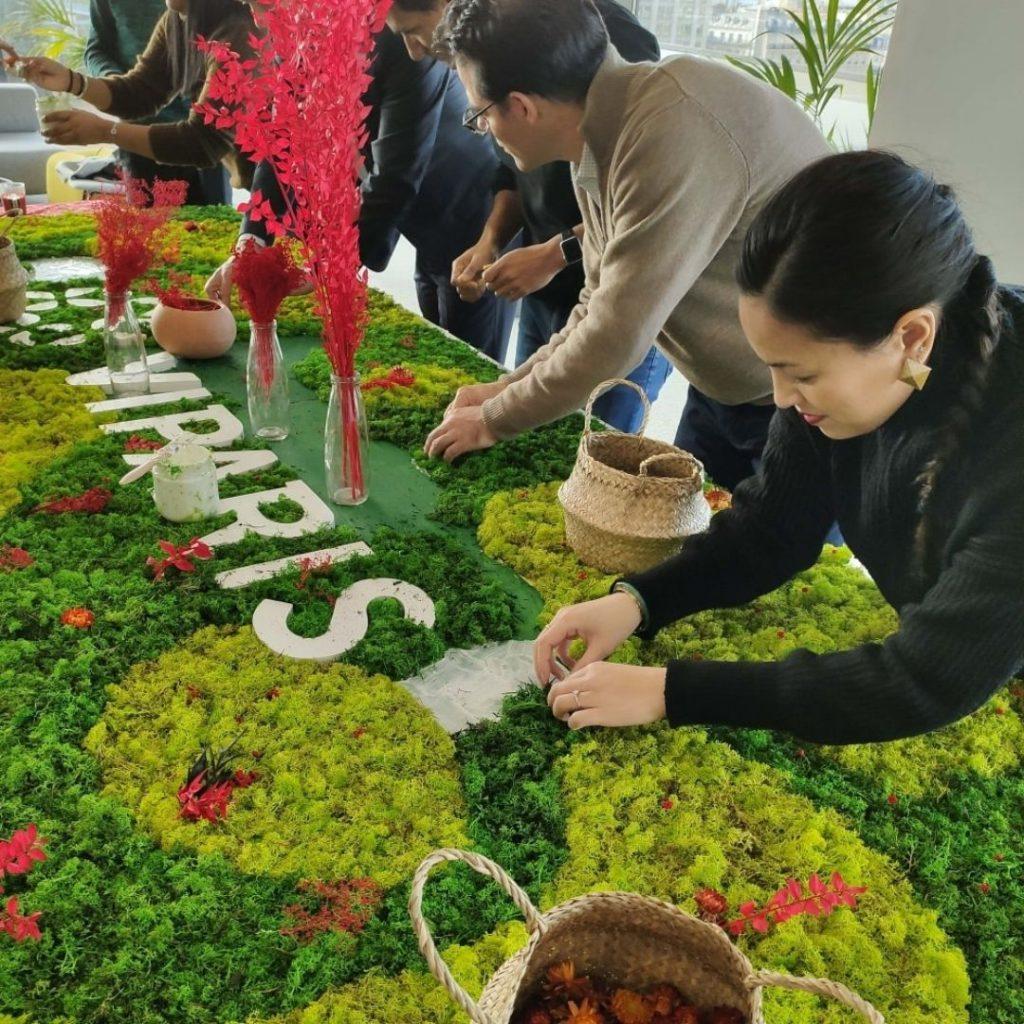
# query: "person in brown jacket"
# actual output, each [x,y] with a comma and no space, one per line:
[171,66]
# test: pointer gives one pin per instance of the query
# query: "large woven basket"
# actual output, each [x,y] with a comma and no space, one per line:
[627,940]
[13,283]
[630,500]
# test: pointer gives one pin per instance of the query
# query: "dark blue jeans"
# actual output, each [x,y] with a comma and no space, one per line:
[621,407]
[729,440]
[485,324]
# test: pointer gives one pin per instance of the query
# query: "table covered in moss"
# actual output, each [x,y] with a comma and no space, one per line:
[292,907]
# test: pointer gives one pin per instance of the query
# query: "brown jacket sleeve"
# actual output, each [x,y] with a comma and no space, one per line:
[147,88]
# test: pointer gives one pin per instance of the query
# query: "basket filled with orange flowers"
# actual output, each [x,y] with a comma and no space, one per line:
[615,958]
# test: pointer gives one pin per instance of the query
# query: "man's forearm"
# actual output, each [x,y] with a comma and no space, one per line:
[505,221]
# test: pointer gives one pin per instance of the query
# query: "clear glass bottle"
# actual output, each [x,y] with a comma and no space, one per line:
[346,443]
[266,384]
[125,346]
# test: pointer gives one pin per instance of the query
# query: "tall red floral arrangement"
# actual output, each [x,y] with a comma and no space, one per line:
[131,229]
[298,103]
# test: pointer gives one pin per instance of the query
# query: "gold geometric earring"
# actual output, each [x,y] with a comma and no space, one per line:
[915,374]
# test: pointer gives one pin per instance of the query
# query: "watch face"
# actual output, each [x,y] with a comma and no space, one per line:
[571,249]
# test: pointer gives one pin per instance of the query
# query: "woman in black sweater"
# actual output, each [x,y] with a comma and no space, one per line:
[898,368]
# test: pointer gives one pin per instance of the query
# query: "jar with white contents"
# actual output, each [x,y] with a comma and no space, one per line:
[185,485]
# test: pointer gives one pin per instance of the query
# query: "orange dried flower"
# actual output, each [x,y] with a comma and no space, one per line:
[78,618]
[685,1015]
[537,1015]
[586,1013]
[631,1008]
[664,999]
[562,979]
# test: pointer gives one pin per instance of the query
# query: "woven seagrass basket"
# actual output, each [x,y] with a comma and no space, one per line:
[630,500]
[627,940]
[13,283]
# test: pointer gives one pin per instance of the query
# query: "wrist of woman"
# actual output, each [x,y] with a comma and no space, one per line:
[621,587]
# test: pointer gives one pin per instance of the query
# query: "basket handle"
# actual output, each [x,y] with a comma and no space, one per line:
[607,385]
[820,987]
[427,947]
[661,456]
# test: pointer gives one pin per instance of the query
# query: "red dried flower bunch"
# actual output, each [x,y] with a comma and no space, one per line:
[396,377]
[178,293]
[138,443]
[12,558]
[78,618]
[819,901]
[565,996]
[209,785]
[346,906]
[266,275]
[18,855]
[299,105]
[94,500]
[179,558]
[130,234]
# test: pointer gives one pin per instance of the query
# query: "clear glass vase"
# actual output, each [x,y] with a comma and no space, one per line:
[125,346]
[346,443]
[266,384]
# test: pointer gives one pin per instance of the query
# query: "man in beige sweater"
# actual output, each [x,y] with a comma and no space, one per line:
[671,162]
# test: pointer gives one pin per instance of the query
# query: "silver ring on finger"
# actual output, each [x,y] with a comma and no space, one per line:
[579,705]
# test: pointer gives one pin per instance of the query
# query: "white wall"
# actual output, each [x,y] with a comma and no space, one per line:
[952,100]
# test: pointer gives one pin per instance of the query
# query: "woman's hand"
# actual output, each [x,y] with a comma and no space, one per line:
[602,625]
[47,74]
[474,394]
[609,695]
[76,128]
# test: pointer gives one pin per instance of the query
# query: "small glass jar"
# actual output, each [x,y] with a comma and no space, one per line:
[51,103]
[185,485]
[13,198]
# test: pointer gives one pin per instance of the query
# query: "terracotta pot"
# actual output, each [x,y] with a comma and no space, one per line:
[13,283]
[194,333]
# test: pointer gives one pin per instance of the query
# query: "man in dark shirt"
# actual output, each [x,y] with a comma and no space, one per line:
[118,33]
[547,271]
[424,177]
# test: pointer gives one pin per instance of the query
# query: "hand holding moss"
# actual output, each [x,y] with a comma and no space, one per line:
[602,625]
[609,695]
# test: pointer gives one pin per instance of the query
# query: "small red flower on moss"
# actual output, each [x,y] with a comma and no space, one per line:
[179,558]
[667,804]
[984,887]
[780,633]
[892,799]
[359,733]
[396,377]
[801,752]
[20,853]
[999,857]
[711,905]
[12,558]
[20,927]
[91,501]
[273,693]
[78,618]
[192,693]
[1000,710]
[346,906]
[138,443]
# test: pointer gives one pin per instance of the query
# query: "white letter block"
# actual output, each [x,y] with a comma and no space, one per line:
[229,427]
[251,520]
[348,623]
[228,463]
[235,578]
[140,401]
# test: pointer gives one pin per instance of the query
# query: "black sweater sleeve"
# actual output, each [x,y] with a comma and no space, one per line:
[775,529]
[960,642]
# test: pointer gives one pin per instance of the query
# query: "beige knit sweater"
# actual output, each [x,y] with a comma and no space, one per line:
[679,158]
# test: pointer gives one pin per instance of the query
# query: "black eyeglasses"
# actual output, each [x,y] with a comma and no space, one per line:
[471,119]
